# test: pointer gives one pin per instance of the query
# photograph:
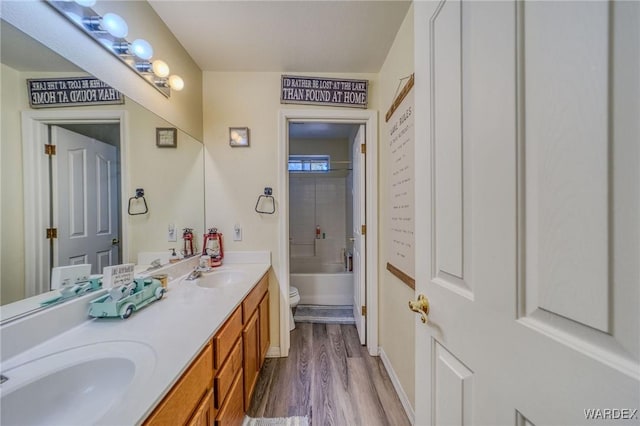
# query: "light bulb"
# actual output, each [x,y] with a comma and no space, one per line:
[142,49]
[176,82]
[160,68]
[114,25]
[86,3]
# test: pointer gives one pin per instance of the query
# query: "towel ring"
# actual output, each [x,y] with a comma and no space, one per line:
[267,195]
[139,194]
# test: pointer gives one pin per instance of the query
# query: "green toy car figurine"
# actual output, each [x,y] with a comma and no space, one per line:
[123,300]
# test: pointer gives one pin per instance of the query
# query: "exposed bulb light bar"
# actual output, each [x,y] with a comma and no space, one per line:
[110,22]
[115,25]
[160,68]
[176,82]
[142,49]
[110,30]
[143,67]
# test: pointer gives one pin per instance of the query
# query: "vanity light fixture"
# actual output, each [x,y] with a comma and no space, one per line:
[110,22]
[160,68]
[176,82]
[110,31]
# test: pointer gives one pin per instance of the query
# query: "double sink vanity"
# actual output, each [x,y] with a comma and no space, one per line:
[191,358]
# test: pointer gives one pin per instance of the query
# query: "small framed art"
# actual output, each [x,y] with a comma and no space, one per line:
[166,137]
[238,136]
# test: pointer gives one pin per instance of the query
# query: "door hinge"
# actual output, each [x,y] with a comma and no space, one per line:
[363,148]
[364,230]
[52,233]
[364,311]
[49,149]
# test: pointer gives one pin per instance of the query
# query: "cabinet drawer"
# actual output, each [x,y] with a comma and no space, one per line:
[232,411]
[226,374]
[251,302]
[225,339]
[181,401]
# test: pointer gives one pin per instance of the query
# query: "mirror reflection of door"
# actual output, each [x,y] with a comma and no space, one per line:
[85,206]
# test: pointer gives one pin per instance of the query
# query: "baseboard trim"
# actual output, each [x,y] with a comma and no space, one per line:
[273,352]
[404,399]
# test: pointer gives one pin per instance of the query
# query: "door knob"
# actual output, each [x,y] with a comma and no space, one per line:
[115,241]
[421,306]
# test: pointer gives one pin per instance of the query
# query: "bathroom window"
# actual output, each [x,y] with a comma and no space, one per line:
[309,163]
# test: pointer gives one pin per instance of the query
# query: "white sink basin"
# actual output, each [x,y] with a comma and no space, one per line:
[74,386]
[219,279]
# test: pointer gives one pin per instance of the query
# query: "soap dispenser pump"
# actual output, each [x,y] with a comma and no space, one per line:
[174,256]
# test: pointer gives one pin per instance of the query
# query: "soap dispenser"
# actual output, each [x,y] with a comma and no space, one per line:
[174,256]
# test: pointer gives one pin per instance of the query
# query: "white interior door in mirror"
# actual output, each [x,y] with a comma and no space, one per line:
[85,200]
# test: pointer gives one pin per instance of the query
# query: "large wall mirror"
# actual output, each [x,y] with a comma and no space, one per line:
[172,178]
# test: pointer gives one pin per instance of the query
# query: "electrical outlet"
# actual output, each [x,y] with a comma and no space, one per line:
[171,233]
[237,233]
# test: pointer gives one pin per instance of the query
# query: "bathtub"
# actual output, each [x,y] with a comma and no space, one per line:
[321,283]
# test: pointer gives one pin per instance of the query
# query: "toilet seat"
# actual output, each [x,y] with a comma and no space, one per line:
[294,298]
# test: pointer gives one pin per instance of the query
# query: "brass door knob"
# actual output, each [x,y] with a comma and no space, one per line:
[421,306]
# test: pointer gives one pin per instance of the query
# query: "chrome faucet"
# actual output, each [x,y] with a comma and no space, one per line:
[194,275]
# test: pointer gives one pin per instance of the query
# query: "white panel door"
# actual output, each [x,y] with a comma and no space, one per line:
[85,201]
[359,219]
[528,217]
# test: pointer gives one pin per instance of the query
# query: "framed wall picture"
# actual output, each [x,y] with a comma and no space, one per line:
[238,136]
[166,137]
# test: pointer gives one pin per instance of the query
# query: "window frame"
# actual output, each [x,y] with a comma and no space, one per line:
[309,160]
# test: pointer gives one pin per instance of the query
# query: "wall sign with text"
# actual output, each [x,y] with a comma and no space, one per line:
[324,91]
[72,91]
[400,153]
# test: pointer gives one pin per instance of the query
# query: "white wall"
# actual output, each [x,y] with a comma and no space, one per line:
[11,214]
[173,180]
[396,321]
[236,176]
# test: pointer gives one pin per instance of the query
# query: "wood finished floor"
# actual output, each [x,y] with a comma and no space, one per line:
[330,378]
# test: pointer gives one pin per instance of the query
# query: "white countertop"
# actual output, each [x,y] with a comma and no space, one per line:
[176,328]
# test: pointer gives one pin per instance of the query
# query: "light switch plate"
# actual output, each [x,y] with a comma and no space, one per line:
[237,233]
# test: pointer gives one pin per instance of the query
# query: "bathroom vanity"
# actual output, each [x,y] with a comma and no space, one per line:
[191,358]
[219,383]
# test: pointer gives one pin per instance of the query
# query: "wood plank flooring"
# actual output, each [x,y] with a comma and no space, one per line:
[330,378]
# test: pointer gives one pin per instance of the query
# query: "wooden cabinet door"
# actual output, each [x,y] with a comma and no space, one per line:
[204,413]
[251,342]
[181,401]
[232,412]
[263,312]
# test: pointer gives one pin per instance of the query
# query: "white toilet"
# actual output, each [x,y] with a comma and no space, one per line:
[294,299]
